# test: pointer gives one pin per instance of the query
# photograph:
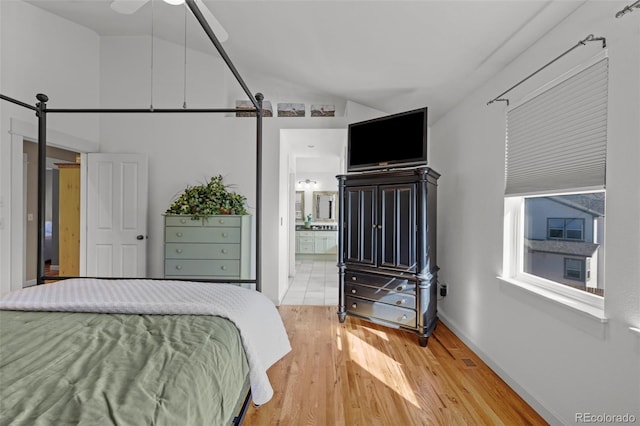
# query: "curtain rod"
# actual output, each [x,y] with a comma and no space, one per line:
[628,8]
[583,42]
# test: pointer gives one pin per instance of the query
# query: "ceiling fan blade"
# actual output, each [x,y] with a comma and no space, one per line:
[215,25]
[127,7]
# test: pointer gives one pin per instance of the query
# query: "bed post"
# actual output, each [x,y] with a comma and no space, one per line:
[259,98]
[41,113]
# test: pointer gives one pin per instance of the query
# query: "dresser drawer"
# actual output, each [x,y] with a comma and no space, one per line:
[218,268]
[207,222]
[381,295]
[382,311]
[202,235]
[401,285]
[201,251]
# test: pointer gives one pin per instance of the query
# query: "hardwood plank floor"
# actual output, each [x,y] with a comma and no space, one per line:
[358,373]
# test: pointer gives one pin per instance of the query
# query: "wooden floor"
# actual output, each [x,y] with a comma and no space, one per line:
[358,373]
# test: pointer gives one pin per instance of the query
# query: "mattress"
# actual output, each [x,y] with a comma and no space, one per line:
[68,368]
[85,349]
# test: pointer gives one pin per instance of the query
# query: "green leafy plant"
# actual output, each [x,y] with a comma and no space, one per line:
[209,199]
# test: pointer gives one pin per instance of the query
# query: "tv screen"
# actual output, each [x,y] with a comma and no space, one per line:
[393,141]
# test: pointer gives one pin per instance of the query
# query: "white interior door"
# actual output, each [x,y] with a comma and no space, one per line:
[116,215]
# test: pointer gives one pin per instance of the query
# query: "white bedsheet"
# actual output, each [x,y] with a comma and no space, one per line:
[263,334]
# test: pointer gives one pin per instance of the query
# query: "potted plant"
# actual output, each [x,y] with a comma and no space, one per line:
[307,222]
[209,199]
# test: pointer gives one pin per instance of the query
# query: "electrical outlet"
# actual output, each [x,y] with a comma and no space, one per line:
[443,290]
[29,217]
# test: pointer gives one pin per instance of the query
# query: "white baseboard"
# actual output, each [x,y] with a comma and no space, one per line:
[540,409]
[29,283]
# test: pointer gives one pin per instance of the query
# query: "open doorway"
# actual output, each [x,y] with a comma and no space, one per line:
[314,158]
[55,157]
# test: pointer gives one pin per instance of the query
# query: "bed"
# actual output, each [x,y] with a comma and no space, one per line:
[91,351]
[96,351]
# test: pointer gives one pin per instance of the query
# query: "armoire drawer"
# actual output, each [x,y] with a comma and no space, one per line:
[202,235]
[211,268]
[381,295]
[201,251]
[382,311]
[401,285]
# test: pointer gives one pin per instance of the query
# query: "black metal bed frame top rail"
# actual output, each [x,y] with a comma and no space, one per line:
[41,112]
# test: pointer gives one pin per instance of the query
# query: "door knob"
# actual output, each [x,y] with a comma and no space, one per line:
[140,237]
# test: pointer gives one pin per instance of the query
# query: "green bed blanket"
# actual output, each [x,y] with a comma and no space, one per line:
[62,368]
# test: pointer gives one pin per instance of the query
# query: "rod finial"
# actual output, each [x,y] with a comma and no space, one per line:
[259,97]
[42,97]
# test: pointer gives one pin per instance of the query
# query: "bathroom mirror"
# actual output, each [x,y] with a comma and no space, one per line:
[299,205]
[325,206]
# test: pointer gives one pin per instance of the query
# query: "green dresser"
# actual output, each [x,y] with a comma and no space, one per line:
[212,247]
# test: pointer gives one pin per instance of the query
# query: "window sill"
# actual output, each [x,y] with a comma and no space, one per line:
[583,308]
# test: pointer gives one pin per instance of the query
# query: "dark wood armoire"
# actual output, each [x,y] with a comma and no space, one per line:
[387,248]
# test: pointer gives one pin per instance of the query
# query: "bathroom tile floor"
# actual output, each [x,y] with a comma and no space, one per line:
[315,281]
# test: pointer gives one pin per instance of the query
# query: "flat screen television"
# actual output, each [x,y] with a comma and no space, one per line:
[393,141]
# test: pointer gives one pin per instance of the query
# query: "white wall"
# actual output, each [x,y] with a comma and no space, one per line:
[188,148]
[561,361]
[41,53]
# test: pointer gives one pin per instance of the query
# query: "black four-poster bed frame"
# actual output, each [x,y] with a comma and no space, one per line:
[42,111]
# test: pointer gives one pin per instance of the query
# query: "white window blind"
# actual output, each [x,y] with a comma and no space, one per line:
[557,140]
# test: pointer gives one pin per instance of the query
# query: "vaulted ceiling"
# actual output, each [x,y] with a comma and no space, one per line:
[388,55]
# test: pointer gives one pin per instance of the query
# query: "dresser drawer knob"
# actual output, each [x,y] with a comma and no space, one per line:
[178,250]
[224,251]
[404,317]
[179,267]
[224,268]
[354,278]
[354,291]
[179,234]
[354,305]
[401,302]
[183,221]
[220,220]
[225,235]
[401,287]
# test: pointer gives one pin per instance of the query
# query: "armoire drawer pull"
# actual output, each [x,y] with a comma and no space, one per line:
[179,267]
[354,305]
[354,278]
[179,250]
[354,291]
[224,251]
[224,268]
[178,234]
[225,235]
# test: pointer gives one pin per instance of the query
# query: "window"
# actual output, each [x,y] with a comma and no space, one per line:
[565,229]
[574,269]
[555,202]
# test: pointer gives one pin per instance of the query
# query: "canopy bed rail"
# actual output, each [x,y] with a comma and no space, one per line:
[42,110]
[226,302]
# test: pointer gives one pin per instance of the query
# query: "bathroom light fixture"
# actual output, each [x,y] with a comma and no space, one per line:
[174,2]
[307,182]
